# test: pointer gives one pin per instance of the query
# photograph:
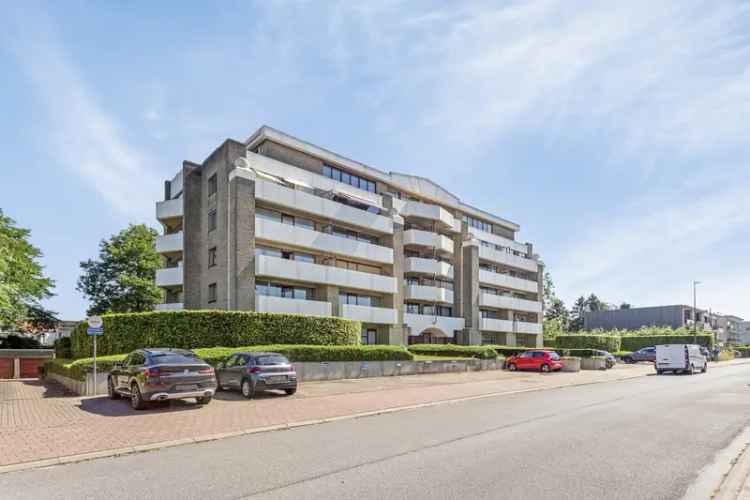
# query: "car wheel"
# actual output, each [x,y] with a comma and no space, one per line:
[136,399]
[544,368]
[247,389]
[628,360]
[512,367]
[659,372]
[705,368]
[204,400]
[289,392]
[113,394]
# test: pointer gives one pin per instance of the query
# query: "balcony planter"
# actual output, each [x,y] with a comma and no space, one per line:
[571,364]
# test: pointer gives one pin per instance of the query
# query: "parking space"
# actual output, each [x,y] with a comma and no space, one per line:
[39,421]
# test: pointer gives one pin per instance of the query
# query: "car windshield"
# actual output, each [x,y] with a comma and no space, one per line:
[272,359]
[554,356]
[172,357]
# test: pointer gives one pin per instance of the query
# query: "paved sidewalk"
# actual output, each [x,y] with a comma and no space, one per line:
[39,421]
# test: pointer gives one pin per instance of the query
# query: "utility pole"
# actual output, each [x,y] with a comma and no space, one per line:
[695,311]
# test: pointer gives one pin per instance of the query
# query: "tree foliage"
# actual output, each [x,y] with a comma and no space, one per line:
[22,280]
[122,278]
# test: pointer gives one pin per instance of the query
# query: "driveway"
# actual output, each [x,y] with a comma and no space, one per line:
[40,421]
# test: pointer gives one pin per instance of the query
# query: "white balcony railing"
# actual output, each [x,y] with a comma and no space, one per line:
[507,281]
[428,239]
[169,243]
[418,323]
[428,266]
[429,294]
[430,212]
[170,276]
[321,207]
[169,209]
[497,240]
[369,314]
[512,303]
[174,306]
[507,326]
[307,238]
[508,259]
[307,272]
[267,303]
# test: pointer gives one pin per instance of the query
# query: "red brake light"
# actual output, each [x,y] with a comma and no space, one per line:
[151,372]
[254,369]
[206,371]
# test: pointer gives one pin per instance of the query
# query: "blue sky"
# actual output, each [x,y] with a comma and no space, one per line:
[615,133]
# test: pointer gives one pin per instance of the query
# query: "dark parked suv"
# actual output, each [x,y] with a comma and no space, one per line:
[251,372]
[160,374]
[645,354]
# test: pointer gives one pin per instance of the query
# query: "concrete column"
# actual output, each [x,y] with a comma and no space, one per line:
[331,294]
[470,280]
[242,244]
[16,368]
[396,333]
[510,339]
[193,236]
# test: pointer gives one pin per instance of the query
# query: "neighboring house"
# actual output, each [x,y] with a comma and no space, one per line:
[634,318]
[280,225]
[729,329]
[743,335]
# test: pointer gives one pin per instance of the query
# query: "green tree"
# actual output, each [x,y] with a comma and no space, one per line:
[625,305]
[579,307]
[22,280]
[122,278]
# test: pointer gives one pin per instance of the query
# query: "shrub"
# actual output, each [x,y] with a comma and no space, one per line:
[622,354]
[508,350]
[471,351]
[77,369]
[610,343]
[578,353]
[636,342]
[62,348]
[194,329]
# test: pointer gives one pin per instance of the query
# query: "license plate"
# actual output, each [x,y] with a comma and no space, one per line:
[185,387]
[276,380]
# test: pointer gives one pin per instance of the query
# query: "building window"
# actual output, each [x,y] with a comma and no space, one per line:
[211,220]
[212,257]
[212,185]
[479,224]
[347,178]
[369,336]
[212,292]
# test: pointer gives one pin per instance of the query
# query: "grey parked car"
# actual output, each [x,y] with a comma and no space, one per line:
[611,360]
[160,374]
[251,372]
[645,354]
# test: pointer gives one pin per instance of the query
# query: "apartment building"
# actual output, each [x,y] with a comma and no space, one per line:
[276,224]
[675,316]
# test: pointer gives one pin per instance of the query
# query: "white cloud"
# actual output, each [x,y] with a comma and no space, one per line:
[81,132]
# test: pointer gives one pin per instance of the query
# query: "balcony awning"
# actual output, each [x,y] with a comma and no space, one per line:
[270,177]
[356,199]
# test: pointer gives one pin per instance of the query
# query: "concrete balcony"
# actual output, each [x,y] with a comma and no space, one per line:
[171,276]
[324,275]
[512,303]
[433,213]
[418,323]
[508,259]
[506,326]
[176,306]
[169,210]
[368,314]
[429,294]
[417,237]
[507,281]
[169,243]
[321,207]
[267,303]
[431,267]
[497,240]
[307,238]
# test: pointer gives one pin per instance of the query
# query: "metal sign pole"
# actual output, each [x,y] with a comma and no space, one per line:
[95,364]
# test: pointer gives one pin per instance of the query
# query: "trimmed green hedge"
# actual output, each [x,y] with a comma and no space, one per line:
[62,348]
[77,369]
[507,350]
[636,342]
[610,343]
[472,351]
[194,329]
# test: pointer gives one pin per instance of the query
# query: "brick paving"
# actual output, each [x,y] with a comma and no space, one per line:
[40,421]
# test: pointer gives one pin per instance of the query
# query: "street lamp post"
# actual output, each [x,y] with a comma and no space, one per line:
[695,312]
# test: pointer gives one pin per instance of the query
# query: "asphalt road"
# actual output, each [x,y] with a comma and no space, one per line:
[642,438]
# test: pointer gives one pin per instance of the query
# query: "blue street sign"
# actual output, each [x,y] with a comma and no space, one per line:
[95,331]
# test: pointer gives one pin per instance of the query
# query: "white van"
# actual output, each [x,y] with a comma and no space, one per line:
[682,358]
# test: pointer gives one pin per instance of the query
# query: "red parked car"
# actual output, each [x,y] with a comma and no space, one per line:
[543,361]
